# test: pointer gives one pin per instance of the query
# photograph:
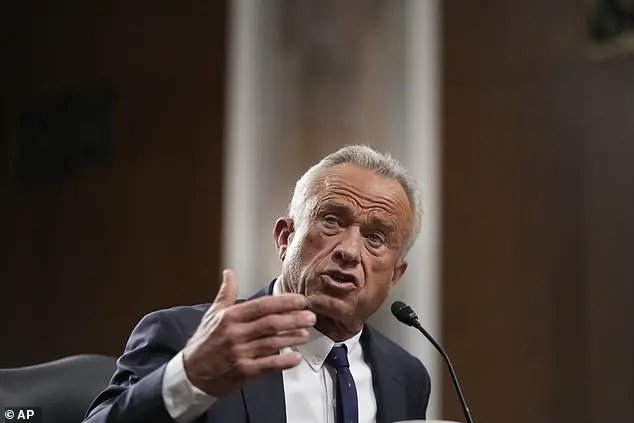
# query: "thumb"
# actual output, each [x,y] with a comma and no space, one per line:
[228,292]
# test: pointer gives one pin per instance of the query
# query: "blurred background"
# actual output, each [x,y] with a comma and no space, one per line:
[148,145]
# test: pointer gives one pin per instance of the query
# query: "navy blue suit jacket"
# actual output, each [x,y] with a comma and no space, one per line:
[401,382]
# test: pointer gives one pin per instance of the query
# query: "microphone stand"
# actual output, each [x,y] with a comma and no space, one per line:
[454,378]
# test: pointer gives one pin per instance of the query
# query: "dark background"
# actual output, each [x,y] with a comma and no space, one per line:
[86,255]
[539,215]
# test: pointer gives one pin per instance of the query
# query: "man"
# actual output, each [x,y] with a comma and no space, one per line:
[299,350]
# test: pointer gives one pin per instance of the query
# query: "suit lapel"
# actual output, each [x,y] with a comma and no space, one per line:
[264,397]
[389,391]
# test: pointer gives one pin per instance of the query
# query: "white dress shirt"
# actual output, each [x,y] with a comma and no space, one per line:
[309,388]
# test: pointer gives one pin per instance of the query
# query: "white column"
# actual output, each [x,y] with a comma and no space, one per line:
[420,152]
[247,171]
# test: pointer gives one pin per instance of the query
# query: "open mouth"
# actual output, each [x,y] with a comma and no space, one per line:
[341,277]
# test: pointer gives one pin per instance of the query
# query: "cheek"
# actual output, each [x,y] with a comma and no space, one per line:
[379,274]
[306,247]
[316,243]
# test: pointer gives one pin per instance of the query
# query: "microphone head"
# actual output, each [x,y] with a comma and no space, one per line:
[404,313]
[397,306]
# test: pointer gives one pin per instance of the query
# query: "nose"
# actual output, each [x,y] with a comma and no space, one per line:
[347,252]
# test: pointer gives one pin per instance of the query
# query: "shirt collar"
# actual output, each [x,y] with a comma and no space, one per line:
[319,345]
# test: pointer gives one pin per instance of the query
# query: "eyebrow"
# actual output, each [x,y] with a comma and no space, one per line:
[384,225]
[343,209]
[335,208]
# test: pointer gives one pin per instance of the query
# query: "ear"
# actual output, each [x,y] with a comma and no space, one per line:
[283,235]
[399,271]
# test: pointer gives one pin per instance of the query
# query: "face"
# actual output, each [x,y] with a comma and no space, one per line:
[344,254]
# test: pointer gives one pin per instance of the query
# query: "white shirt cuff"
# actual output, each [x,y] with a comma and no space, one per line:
[184,402]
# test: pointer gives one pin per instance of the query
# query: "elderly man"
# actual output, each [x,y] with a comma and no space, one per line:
[300,349]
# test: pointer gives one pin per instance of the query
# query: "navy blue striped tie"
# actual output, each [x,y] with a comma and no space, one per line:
[347,403]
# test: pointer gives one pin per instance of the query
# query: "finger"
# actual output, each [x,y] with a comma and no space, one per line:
[272,344]
[276,323]
[228,292]
[270,364]
[264,306]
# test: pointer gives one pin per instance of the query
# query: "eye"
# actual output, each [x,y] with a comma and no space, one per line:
[376,238]
[331,220]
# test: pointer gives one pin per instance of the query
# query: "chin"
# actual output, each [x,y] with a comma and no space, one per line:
[331,306]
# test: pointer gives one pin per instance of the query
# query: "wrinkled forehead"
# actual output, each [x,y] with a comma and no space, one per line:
[364,189]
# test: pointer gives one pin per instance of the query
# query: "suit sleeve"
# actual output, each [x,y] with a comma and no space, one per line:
[135,390]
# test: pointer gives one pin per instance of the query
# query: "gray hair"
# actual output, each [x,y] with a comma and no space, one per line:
[365,158]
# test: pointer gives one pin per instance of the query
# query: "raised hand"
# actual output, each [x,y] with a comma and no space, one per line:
[236,343]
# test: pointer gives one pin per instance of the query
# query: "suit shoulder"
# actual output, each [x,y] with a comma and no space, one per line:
[185,318]
[183,311]
[394,349]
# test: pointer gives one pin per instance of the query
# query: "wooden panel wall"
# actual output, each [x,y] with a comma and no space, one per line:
[83,258]
[538,215]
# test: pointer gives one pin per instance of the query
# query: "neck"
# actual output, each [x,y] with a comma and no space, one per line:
[335,330]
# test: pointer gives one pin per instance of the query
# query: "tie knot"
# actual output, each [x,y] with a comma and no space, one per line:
[338,357]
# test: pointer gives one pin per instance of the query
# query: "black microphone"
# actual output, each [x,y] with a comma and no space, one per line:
[405,314]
